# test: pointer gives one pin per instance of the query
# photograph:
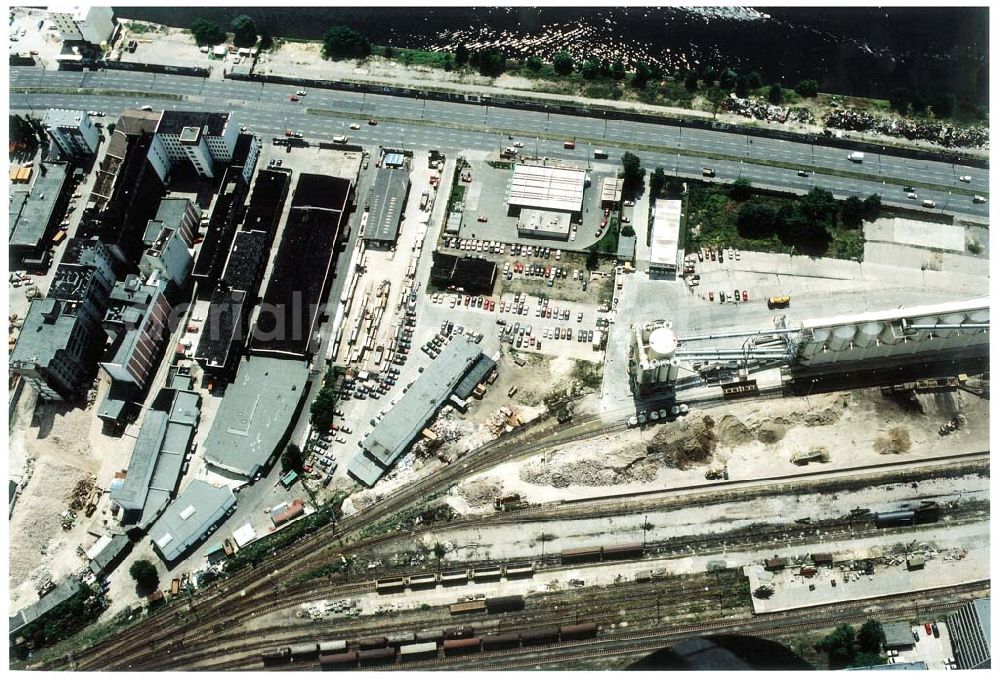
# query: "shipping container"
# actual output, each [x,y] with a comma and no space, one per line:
[401,638]
[534,637]
[339,659]
[428,581]
[418,650]
[389,585]
[573,632]
[581,555]
[622,551]
[501,641]
[486,574]
[458,632]
[462,646]
[373,643]
[304,651]
[430,635]
[505,604]
[519,570]
[377,656]
[456,577]
[276,656]
[330,647]
[468,607]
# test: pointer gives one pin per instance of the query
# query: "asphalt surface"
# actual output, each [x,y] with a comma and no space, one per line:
[266,108]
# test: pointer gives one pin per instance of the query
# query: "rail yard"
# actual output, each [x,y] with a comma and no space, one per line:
[347,394]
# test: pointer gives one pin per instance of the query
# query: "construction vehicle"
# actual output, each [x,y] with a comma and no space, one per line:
[778,301]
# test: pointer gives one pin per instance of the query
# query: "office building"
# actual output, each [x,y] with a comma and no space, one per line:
[72,132]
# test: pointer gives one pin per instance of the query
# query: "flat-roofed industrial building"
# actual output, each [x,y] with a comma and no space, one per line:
[666,236]
[190,519]
[393,434]
[386,202]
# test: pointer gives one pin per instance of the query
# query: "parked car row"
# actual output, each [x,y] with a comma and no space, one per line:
[458,300]
[717,253]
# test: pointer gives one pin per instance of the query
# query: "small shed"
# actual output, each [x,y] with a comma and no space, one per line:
[915,564]
[775,564]
[822,558]
[897,635]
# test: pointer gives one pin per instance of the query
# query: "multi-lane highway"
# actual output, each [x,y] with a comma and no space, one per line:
[453,126]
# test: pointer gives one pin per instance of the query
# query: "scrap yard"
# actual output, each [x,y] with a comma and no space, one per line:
[299,382]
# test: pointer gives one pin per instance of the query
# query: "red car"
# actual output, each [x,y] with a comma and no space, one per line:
[927,628]
[292,98]
[746,297]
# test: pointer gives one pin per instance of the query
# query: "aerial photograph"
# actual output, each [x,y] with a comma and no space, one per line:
[518,338]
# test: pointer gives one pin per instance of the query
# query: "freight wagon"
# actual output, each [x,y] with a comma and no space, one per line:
[504,604]
[417,651]
[461,646]
[468,607]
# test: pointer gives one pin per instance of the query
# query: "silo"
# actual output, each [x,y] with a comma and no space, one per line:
[867,333]
[922,334]
[673,369]
[814,346]
[841,337]
[889,336]
[662,343]
[953,319]
[978,316]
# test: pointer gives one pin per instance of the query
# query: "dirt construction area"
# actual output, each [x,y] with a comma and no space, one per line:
[746,441]
[62,454]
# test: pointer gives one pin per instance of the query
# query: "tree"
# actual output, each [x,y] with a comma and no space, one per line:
[727,80]
[675,186]
[871,637]
[244,31]
[775,94]
[708,76]
[439,552]
[266,40]
[593,262]
[852,211]
[918,105]
[461,55]
[944,105]
[632,172]
[871,206]
[756,220]
[491,62]
[618,70]
[343,42]
[807,88]
[389,52]
[321,411]
[144,574]
[292,458]
[754,80]
[819,207]
[740,191]
[840,646]
[715,95]
[764,591]
[691,82]
[534,64]
[899,100]
[657,182]
[207,33]
[742,86]
[643,73]
[590,69]
[628,231]
[562,63]
[867,660]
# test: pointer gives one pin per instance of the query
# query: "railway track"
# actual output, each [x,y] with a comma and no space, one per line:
[273,600]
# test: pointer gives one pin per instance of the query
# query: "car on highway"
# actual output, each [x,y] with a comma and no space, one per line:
[746,297]
[355,126]
[911,195]
[372,121]
[978,199]
[482,218]
[803,173]
[927,203]
[293,98]
[628,203]
[301,93]
[518,144]
[965,178]
[908,189]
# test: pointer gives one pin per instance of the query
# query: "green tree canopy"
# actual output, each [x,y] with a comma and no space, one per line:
[899,100]
[852,211]
[292,458]
[632,172]
[144,574]
[618,70]
[756,220]
[807,88]
[244,31]
[715,95]
[727,80]
[754,80]
[871,637]
[593,262]
[534,63]
[775,94]
[675,186]
[343,42]
[590,69]
[642,75]
[207,33]
[657,182]
[562,63]
[461,55]
[872,204]
[691,82]
[490,62]
[819,207]
[741,189]
[321,411]
[840,646]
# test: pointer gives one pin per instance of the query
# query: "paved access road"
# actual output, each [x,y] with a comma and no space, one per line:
[452,126]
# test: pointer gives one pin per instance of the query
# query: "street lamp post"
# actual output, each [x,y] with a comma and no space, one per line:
[645,523]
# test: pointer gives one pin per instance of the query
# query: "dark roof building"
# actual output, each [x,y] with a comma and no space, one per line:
[221,229]
[897,635]
[386,201]
[62,593]
[223,334]
[969,629]
[302,266]
[479,371]
[474,276]
[35,215]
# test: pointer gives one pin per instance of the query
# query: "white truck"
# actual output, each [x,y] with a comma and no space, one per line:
[340,139]
[856,157]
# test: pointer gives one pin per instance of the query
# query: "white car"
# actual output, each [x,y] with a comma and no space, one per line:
[355,126]
[518,144]
[911,195]
[965,178]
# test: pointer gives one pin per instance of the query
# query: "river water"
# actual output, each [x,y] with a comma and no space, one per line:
[858,51]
